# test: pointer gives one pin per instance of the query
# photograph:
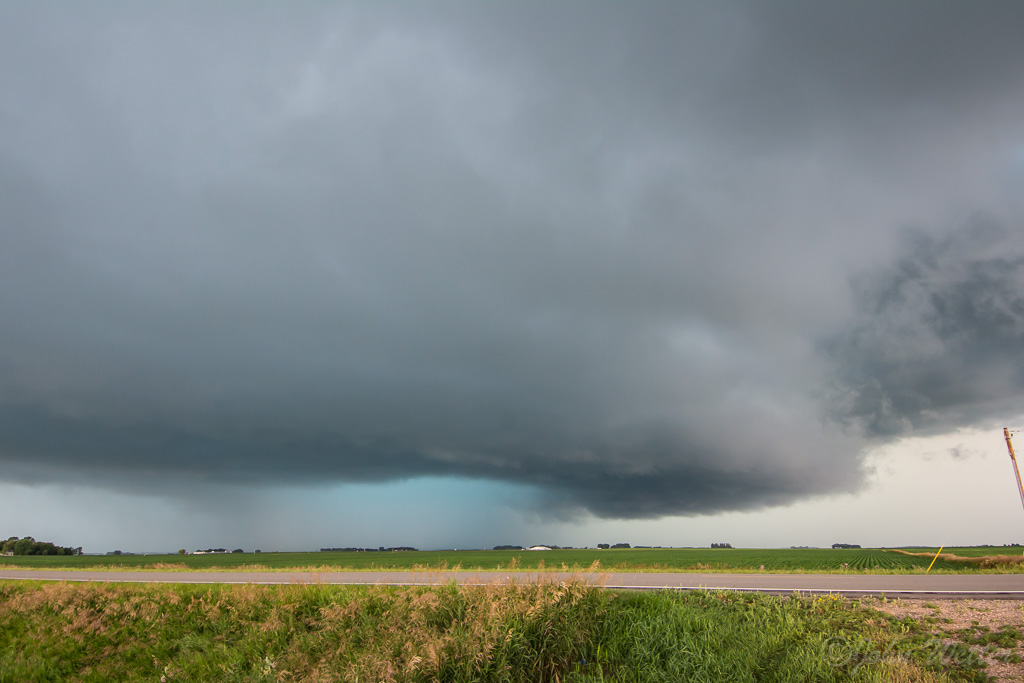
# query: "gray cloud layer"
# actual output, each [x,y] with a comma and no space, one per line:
[605,251]
[938,337]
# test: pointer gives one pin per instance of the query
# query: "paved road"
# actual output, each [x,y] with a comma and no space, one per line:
[1006,586]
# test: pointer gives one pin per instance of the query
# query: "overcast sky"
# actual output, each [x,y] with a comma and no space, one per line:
[571,268]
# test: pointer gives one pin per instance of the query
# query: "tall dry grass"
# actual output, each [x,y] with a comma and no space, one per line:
[523,632]
[529,631]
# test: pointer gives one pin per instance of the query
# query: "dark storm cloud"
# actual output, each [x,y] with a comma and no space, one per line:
[591,249]
[938,336]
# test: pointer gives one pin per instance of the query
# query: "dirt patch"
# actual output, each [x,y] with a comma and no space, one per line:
[993,629]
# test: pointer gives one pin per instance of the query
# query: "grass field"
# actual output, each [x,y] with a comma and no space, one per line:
[636,559]
[566,632]
[973,551]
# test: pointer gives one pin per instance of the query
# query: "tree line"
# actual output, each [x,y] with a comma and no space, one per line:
[30,546]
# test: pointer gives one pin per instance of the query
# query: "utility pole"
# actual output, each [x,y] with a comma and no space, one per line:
[1013,458]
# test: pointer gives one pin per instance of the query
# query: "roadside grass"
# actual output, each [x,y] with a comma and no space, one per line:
[832,561]
[549,631]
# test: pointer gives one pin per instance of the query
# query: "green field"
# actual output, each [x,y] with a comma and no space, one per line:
[565,632]
[636,559]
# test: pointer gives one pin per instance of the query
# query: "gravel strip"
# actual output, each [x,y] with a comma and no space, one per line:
[954,620]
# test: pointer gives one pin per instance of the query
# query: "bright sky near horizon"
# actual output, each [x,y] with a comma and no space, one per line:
[464,274]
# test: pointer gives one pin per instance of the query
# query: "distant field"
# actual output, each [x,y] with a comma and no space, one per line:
[636,559]
[973,551]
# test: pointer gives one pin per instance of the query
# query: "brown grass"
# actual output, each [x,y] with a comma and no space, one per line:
[372,634]
[982,562]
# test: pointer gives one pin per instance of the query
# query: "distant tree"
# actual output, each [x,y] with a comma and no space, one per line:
[620,545]
[182,551]
[24,546]
[603,546]
[237,550]
[30,546]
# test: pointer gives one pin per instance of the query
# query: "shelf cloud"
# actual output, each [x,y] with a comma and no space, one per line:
[670,260]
